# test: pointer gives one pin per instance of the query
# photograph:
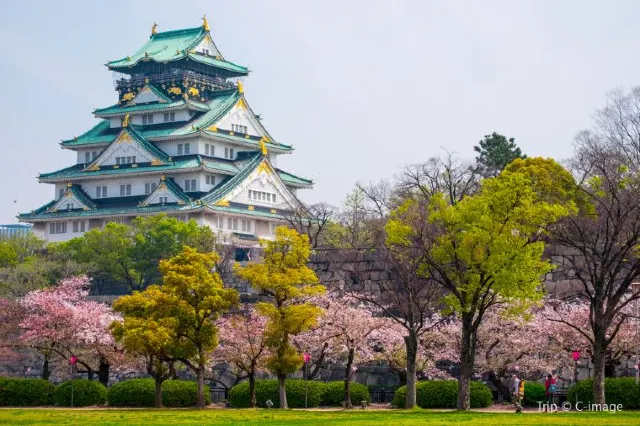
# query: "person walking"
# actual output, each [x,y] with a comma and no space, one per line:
[518,393]
[550,389]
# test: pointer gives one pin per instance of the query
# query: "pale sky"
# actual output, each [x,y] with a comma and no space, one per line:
[360,88]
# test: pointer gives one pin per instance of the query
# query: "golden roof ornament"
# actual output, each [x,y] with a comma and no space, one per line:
[154,29]
[125,122]
[240,87]
[263,147]
[68,184]
[162,178]
[205,23]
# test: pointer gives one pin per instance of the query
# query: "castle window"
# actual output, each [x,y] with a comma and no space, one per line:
[190,185]
[58,228]
[211,180]
[220,222]
[101,192]
[94,154]
[61,192]
[76,226]
[149,187]
[232,224]
[125,190]
[238,128]
[169,116]
[87,157]
[187,148]
[265,197]
[179,149]
[82,226]
[205,51]
[147,119]
[69,206]
[162,200]
[206,149]
[246,225]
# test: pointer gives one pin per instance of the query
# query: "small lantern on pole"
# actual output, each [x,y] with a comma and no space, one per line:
[576,357]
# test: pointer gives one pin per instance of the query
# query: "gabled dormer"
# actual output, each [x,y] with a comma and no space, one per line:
[129,148]
[74,198]
[241,120]
[148,94]
[166,192]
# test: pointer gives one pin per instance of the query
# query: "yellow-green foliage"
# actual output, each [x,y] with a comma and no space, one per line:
[176,319]
[285,277]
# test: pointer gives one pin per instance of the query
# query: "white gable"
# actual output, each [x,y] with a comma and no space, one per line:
[123,146]
[241,115]
[161,195]
[263,180]
[207,47]
[146,96]
[68,202]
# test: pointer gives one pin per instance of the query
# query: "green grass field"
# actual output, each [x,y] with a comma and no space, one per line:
[298,417]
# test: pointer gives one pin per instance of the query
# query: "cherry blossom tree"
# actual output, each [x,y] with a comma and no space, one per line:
[343,333]
[10,316]
[243,345]
[59,320]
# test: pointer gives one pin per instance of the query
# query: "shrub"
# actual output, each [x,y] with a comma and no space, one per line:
[533,393]
[182,393]
[25,392]
[268,389]
[443,394]
[334,393]
[132,393]
[619,390]
[85,392]
[141,393]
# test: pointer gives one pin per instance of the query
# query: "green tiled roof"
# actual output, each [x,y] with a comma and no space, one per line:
[244,209]
[148,146]
[252,161]
[179,163]
[291,179]
[41,213]
[218,107]
[169,46]
[82,196]
[119,110]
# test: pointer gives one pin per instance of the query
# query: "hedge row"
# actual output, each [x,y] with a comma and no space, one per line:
[130,393]
[318,393]
[534,392]
[620,390]
[25,392]
[141,393]
[443,394]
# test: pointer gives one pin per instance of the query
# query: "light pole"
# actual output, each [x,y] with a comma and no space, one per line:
[576,357]
[635,287]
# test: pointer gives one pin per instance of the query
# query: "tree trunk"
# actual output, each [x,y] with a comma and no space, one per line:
[467,357]
[500,386]
[599,349]
[46,372]
[89,373]
[347,379]
[158,397]
[282,391]
[200,376]
[252,386]
[103,371]
[411,342]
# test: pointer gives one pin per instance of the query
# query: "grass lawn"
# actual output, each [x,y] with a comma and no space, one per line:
[28,416]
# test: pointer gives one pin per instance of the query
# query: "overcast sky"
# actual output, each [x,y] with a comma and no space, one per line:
[360,88]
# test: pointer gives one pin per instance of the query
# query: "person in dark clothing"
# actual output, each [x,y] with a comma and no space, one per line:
[550,388]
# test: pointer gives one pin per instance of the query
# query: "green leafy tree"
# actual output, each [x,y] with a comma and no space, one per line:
[286,280]
[131,255]
[145,331]
[495,151]
[485,250]
[196,298]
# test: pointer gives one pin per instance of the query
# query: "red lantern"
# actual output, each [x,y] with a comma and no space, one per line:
[306,357]
[576,355]
[73,360]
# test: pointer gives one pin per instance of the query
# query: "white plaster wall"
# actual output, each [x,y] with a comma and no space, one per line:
[239,116]
[66,236]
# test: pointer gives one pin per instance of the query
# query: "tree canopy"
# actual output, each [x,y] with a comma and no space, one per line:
[495,152]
